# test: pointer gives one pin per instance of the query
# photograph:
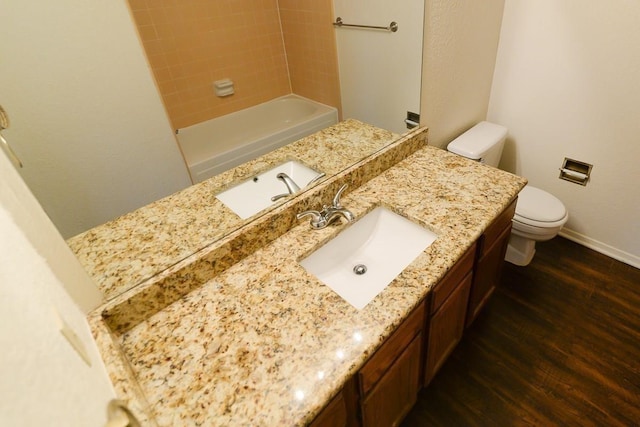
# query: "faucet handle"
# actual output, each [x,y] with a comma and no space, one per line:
[280,196]
[317,178]
[317,219]
[336,198]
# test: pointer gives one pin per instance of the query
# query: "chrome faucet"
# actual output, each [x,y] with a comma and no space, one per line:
[292,187]
[328,214]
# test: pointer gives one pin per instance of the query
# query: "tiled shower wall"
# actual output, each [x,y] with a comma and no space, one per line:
[311,49]
[192,43]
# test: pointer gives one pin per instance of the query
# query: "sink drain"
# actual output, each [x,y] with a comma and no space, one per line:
[360,269]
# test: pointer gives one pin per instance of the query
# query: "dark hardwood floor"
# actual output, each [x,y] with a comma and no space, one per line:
[557,345]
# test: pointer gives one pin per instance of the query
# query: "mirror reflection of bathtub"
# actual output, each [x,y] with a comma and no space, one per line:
[165,232]
[114,147]
[219,144]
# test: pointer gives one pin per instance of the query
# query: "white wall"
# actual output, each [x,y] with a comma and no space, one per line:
[86,118]
[43,380]
[379,70]
[460,45]
[567,84]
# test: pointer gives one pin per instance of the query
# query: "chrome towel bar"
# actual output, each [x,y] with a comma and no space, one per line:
[393,27]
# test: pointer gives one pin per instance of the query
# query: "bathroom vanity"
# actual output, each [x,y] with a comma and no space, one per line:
[240,333]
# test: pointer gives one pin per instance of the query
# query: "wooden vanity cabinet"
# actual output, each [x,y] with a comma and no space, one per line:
[492,247]
[389,382]
[447,313]
[386,387]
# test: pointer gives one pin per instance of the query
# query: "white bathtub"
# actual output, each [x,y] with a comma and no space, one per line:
[225,142]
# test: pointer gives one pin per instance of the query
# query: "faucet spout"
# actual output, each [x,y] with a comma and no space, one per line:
[332,213]
[328,214]
[292,187]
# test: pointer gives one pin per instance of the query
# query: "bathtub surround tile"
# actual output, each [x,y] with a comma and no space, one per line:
[262,342]
[192,43]
[201,42]
[135,247]
[306,28]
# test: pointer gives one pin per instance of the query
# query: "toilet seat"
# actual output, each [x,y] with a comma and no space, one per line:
[537,208]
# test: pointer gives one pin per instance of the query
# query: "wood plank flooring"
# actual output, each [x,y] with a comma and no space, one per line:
[557,345]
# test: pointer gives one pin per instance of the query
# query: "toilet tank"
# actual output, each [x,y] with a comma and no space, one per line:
[483,142]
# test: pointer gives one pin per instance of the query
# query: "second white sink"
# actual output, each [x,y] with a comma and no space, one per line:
[254,194]
[362,260]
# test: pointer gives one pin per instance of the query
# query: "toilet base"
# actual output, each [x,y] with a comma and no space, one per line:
[520,250]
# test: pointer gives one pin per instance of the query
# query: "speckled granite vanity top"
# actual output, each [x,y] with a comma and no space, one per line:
[136,246]
[264,342]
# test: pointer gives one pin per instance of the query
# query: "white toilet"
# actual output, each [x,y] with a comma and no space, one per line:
[539,215]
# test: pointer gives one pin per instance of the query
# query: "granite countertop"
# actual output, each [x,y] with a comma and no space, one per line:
[264,342]
[136,246]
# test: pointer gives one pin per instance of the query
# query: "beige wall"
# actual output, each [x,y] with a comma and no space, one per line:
[86,118]
[191,43]
[460,45]
[567,85]
[28,216]
[380,71]
[43,379]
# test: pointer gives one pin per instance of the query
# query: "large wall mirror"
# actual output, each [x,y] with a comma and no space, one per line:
[96,92]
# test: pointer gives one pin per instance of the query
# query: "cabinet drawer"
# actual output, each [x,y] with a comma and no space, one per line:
[382,359]
[493,232]
[448,283]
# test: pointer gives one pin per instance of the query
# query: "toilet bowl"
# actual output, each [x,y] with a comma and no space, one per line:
[539,215]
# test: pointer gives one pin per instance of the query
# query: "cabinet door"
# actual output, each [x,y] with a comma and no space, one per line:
[383,359]
[333,415]
[445,328]
[487,275]
[491,250]
[396,392]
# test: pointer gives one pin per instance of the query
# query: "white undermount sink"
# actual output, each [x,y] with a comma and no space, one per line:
[253,195]
[363,259]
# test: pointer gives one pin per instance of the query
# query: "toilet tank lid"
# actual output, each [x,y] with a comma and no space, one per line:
[475,142]
[538,205]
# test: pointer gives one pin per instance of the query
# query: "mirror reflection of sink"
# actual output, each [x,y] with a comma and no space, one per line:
[254,194]
[363,259]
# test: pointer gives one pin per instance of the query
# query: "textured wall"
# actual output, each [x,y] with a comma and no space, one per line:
[566,85]
[460,45]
